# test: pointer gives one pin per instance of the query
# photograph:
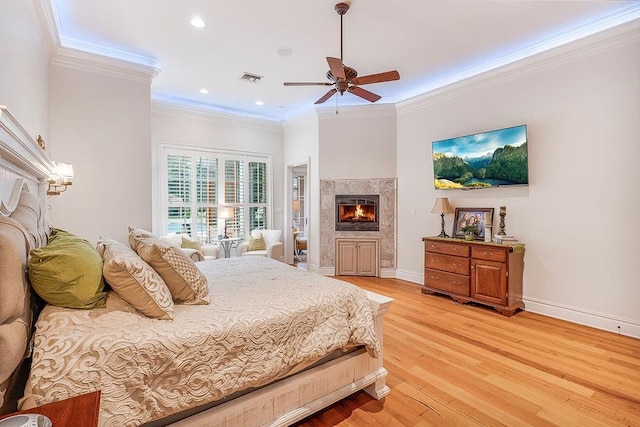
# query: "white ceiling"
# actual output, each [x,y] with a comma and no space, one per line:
[429,42]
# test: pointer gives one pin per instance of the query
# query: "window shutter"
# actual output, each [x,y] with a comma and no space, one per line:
[207,198]
[179,194]
[200,181]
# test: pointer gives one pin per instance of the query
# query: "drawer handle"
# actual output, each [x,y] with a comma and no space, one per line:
[485,253]
[434,261]
[457,283]
[457,265]
[434,277]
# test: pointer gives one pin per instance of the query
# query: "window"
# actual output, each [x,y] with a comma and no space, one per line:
[197,182]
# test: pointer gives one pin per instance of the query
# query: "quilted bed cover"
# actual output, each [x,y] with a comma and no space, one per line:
[266,320]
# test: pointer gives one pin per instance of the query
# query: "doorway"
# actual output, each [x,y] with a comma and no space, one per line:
[297,244]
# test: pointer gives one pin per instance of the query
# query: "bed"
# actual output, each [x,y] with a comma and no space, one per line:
[213,364]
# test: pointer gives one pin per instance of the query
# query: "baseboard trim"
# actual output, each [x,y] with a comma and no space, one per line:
[388,273]
[410,276]
[596,320]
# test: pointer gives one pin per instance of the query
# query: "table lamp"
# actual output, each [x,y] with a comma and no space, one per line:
[442,207]
[225,213]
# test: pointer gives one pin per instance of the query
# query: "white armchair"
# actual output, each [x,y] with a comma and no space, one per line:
[272,245]
[192,249]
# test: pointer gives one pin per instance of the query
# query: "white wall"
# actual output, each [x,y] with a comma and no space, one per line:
[101,125]
[208,129]
[582,109]
[358,142]
[24,69]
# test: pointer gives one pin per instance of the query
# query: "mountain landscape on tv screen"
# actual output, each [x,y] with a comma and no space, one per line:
[464,162]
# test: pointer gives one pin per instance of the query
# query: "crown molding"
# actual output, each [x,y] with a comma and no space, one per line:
[96,63]
[604,41]
[308,118]
[203,112]
[47,24]
[71,53]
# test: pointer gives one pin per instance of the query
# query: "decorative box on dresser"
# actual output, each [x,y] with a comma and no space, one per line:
[475,271]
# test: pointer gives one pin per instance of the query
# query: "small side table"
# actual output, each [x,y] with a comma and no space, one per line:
[225,245]
[76,411]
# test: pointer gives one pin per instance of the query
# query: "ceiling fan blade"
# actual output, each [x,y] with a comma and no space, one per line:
[326,96]
[308,84]
[336,67]
[377,78]
[363,93]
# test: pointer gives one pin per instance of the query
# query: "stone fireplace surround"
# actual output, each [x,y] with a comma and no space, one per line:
[386,188]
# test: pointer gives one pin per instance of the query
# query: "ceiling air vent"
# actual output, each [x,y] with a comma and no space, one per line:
[253,78]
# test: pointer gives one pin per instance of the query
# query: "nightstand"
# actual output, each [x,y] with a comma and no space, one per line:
[76,411]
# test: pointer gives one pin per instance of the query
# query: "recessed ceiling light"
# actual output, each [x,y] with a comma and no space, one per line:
[284,52]
[204,91]
[259,103]
[197,22]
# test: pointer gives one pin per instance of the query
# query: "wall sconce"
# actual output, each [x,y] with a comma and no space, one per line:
[60,179]
[226,213]
[442,207]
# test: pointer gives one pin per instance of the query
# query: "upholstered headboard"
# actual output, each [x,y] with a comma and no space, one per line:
[24,168]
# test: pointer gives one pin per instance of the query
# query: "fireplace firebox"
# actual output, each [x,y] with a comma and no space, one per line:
[357,212]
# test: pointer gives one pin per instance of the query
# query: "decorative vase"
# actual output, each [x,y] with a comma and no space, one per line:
[468,236]
[487,234]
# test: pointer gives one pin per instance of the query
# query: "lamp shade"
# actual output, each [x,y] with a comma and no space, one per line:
[296,205]
[225,212]
[442,206]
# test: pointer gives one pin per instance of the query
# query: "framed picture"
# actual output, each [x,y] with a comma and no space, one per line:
[481,218]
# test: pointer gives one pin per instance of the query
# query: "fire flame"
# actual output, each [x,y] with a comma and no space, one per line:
[359,213]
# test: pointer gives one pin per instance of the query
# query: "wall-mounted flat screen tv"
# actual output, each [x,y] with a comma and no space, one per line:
[489,159]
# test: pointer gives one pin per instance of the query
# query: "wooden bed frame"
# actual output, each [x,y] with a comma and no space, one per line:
[25,167]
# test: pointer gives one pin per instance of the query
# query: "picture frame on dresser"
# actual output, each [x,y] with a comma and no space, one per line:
[480,217]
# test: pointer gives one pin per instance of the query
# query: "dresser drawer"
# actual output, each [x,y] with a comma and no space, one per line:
[447,282]
[447,248]
[499,255]
[452,264]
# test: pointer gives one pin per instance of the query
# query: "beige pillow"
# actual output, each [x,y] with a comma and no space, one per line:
[256,244]
[141,232]
[134,280]
[185,281]
[191,244]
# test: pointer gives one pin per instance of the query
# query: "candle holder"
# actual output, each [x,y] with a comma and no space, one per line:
[503,213]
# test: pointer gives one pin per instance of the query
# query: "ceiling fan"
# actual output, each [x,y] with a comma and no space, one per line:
[344,78]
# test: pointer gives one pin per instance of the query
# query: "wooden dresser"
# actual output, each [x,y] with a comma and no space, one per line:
[474,271]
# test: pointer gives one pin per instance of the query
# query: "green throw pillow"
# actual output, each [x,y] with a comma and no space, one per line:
[67,272]
[191,244]
[256,244]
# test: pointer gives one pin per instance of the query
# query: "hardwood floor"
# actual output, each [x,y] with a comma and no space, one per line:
[464,365]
